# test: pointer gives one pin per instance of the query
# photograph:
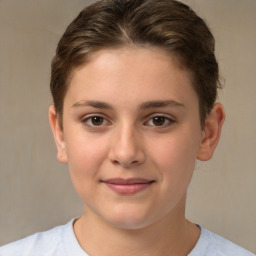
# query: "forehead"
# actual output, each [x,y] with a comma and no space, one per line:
[147,73]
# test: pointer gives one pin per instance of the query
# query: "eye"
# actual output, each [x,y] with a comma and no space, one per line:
[159,121]
[95,121]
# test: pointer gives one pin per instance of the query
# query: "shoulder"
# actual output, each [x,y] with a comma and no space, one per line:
[210,244]
[43,243]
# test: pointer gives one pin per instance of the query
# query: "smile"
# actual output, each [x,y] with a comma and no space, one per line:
[128,186]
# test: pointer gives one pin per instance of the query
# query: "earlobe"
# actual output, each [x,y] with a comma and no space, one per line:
[58,135]
[211,133]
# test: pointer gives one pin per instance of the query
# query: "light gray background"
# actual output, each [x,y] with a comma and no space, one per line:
[35,191]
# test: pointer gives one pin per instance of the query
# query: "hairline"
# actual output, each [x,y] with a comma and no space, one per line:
[85,58]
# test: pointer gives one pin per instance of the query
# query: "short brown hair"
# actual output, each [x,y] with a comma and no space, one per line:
[167,24]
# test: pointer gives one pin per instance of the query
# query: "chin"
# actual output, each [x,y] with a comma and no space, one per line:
[128,219]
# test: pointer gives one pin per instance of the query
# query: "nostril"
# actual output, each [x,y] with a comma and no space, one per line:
[115,162]
[126,164]
[126,154]
[134,162]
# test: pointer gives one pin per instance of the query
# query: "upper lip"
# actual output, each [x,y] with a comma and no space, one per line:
[121,181]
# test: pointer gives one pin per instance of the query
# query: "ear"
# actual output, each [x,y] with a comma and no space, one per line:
[58,135]
[211,132]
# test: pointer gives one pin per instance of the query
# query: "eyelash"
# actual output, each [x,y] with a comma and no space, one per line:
[167,121]
[88,121]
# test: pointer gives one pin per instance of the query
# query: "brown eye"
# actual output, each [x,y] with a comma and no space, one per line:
[158,120]
[97,120]
[94,121]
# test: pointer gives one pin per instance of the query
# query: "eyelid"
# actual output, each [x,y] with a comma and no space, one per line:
[168,117]
[107,122]
[85,118]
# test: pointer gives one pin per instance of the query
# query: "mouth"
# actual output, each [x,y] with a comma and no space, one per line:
[128,186]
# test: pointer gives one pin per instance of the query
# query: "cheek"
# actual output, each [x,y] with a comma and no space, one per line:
[175,157]
[85,156]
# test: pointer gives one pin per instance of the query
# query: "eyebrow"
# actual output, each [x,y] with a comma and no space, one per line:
[160,104]
[145,105]
[92,103]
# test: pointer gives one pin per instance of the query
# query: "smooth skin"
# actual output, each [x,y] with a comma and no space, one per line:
[132,113]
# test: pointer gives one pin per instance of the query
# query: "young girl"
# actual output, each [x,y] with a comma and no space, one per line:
[134,85]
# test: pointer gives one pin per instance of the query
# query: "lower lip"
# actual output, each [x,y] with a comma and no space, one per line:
[128,189]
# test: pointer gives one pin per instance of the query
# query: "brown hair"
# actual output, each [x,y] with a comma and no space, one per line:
[167,24]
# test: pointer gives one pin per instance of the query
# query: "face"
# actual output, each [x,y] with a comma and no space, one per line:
[131,135]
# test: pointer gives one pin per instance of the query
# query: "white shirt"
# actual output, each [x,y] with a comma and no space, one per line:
[61,241]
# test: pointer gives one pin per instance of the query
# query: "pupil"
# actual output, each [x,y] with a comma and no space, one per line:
[97,120]
[159,120]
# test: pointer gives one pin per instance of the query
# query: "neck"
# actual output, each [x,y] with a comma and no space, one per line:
[173,235]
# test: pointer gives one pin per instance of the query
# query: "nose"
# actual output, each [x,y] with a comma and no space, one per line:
[127,149]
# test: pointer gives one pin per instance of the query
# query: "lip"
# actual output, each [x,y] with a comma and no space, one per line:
[128,186]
